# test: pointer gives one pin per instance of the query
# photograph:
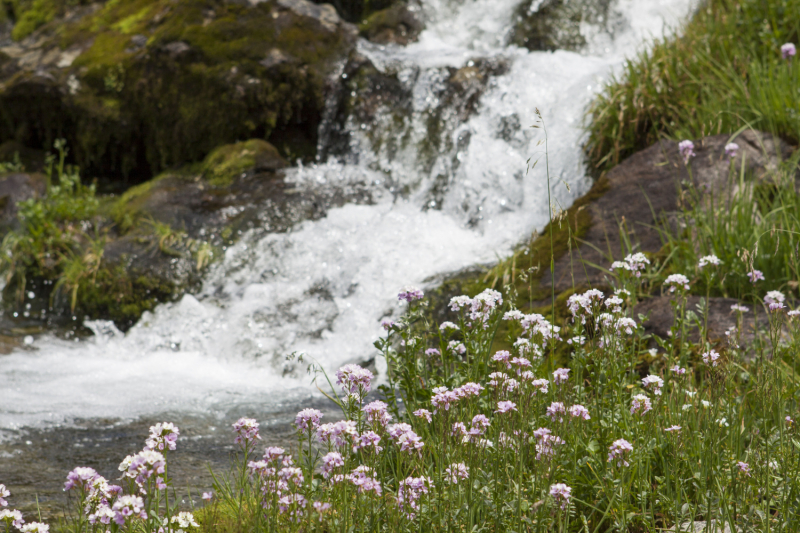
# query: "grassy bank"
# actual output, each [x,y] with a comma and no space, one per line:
[724,72]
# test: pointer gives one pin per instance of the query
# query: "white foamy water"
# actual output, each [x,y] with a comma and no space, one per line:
[323,287]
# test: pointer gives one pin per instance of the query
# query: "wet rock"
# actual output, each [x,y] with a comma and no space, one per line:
[400,24]
[18,187]
[356,11]
[560,24]
[643,191]
[721,318]
[137,88]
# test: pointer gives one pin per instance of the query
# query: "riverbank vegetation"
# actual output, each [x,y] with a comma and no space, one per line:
[725,72]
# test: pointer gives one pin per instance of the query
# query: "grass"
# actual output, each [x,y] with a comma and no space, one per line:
[723,73]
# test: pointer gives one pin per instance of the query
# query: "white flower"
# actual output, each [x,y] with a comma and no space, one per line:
[686,407]
[448,325]
[705,404]
[709,260]
[184,520]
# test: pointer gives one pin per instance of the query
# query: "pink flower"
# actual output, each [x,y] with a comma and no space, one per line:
[686,149]
[561,494]
[456,472]
[246,431]
[579,411]
[744,468]
[673,429]
[368,439]
[678,370]
[376,413]
[711,358]
[353,379]
[409,294]
[677,282]
[505,407]
[556,411]
[423,413]
[653,382]
[640,404]
[731,149]
[208,496]
[755,275]
[5,493]
[163,436]
[618,451]
[788,51]
[560,376]
[306,417]
[330,462]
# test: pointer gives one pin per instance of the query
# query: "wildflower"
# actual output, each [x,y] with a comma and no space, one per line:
[540,385]
[731,149]
[208,496]
[637,262]
[410,294]
[579,411]
[556,410]
[5,493]
[789,420]
[246,431]
[184,520]
[387,324]
[520,363]
[457,347]
[321,507]
[80,477]
[618,452]
[330,462]
[711,358]
[504,407]
[740,308]
[788,50]
[430,352]
[706,404]
[377,413]
[744,468]
[545,443]
[677,282]
[673,429]
[655,382]
[448,326]
[272,453]
[709,260]
[126,507]
[337,434]
[479,425]
[686,149]
[686,407]
[468,389]
[794,313]
[306,417]
[443,399]
[678,370]
[755,275]
[457,471]
[459,302]
[293,503]
[502,356]
[614,303]
[13,516]
[34,527]
[354,379]
[409,492]
[620,265]
[626,324]
[640,404]
[774,297]
[776,306]
[366,440]
[163,436]
[580,340]
[406,438]
[723,422]
[423,413]
[483,305]
[561,494]
[514,314]
[561,375]
[143,466]
[458,429]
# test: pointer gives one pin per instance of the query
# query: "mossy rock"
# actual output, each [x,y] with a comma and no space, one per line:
[400,24]
[141,86]
[227,162]
[556,24]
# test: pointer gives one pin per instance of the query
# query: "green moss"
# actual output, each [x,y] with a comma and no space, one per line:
[229,161]
[31,15]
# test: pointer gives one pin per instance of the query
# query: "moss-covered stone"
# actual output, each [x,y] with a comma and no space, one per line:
[227,162]
[140,86]
[398,24]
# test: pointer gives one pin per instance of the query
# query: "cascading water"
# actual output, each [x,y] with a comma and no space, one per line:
[441,203]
